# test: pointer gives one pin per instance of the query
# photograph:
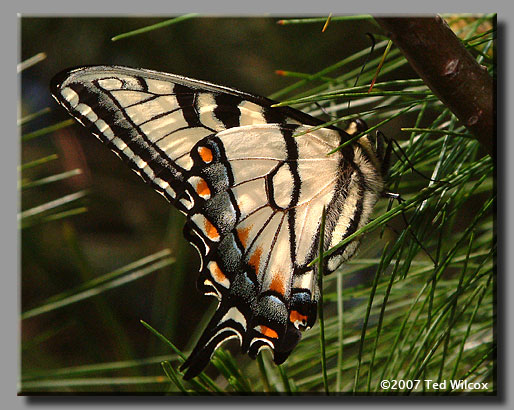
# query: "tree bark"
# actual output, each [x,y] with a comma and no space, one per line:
[451,72]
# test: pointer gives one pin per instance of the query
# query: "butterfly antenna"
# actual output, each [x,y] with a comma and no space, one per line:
[373,42]
[317,104]
[382,60]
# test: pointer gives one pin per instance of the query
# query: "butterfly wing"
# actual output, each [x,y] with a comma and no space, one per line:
[253,194]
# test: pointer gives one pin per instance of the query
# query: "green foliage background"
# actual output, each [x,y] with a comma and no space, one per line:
[101,251]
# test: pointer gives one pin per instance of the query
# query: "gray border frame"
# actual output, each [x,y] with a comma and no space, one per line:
[10,248]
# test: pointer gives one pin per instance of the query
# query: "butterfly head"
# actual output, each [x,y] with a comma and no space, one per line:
[373,143]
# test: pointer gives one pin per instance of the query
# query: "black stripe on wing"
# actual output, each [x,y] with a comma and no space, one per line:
[279,115]
[112,126]
[186,99]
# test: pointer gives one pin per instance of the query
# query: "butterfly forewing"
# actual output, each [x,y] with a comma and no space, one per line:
[253,193]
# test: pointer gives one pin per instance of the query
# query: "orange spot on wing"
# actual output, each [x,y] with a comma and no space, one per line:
[202,188]
[242,234]
[277,283]
[297,316]
[205,154]
[255,259]
[217,273]
[267,331]
[211,230]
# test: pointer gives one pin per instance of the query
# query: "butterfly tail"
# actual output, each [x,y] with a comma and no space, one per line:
[227,323]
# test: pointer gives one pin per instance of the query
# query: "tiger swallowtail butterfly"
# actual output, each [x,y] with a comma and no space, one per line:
[252,191]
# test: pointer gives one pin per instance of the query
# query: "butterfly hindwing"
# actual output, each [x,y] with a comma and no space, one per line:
[252,191]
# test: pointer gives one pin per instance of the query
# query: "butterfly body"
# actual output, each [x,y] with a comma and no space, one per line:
[253,192]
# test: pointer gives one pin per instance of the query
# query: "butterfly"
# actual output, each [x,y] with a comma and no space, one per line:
[252,180]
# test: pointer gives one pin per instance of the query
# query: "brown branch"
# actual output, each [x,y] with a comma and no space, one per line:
[449,70]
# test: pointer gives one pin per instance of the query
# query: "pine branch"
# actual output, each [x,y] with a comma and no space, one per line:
[450,71]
